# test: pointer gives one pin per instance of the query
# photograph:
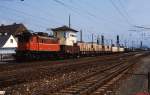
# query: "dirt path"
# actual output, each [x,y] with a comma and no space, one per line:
[136,83]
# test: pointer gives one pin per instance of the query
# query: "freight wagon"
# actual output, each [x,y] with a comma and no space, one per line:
[115,49]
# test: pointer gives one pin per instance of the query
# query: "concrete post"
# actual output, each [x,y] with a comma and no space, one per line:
[148,77]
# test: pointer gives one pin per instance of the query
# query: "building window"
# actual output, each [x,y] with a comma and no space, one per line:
[11,40]
[72,35]
[56,34]
[64,34]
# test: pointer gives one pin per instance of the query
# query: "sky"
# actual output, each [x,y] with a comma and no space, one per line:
[100,17]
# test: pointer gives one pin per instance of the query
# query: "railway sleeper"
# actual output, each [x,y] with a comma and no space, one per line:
[85,89]
[76,89]
[97,85]
[79,87]
[108,86]
[69,91]
[61,94]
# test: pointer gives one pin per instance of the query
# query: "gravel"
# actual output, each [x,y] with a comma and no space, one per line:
[136,83]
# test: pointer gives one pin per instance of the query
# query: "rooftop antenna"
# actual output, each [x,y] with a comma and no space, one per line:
[69,21]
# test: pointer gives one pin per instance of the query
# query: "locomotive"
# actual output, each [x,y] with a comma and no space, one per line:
[63,44]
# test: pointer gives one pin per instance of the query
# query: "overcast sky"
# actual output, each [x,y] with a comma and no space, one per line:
[107,17]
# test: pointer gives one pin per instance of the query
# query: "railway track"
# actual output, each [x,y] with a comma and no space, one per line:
[12,76]
[34,64]
[95,83]
[86,70]
[92,82]
[24,75]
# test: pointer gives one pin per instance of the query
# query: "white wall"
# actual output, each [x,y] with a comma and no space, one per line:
[10,44]
[71,38]
[66,38]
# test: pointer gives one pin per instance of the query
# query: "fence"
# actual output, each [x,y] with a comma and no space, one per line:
[6,54]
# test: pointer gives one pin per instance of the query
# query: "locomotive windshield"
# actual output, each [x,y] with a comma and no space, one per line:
[24,37]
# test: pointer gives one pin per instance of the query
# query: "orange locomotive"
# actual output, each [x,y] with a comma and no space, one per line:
[40,46]
[37,46]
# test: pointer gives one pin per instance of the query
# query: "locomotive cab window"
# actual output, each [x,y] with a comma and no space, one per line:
[31,40]
[43,41]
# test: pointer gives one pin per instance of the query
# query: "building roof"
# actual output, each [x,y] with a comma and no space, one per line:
[64,28]
[3,39]
[14,29]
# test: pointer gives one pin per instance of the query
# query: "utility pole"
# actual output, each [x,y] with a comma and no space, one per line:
[92,39]
[111,42]
[125,43]
[81,36]
[118,40]
[148,76]
[98,40]
[132,45]
[102,42]
[102,39]
[69,20]
[141,44]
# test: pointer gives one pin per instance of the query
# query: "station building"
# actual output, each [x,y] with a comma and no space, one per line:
[66,35]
